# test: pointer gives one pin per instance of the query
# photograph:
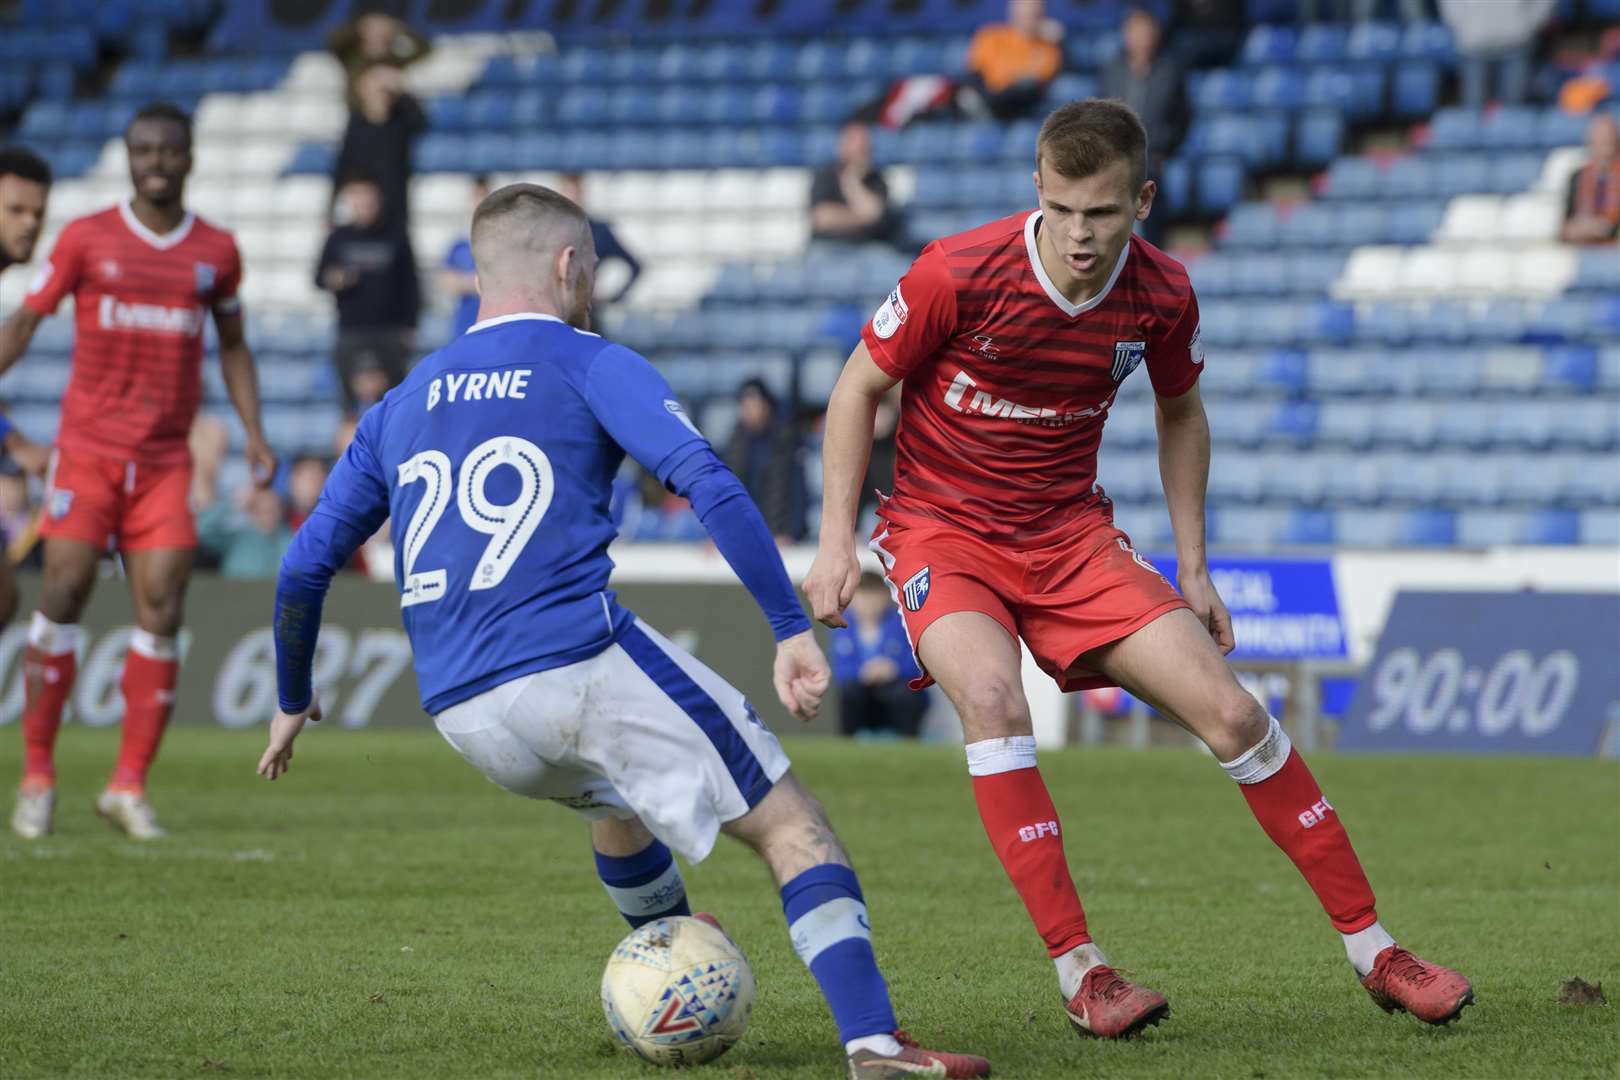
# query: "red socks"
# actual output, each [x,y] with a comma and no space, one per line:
[1290,807]
[49,666]
[1022,825]
[151,668]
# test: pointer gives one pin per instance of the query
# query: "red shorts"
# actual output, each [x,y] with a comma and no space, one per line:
[1083,591]
[103,501]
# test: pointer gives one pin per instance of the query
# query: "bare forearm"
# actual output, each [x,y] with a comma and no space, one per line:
[845,451]
[1184,472]
[15,334]
[835,217]
[864,204]
[242,384]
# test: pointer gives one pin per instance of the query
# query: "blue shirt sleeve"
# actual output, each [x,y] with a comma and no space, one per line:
[6,427]
[353,506]
[635,405]
[741,536]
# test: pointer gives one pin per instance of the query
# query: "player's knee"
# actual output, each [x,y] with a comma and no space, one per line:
[1241,722]
[159,615]
[62,601]
[993,707]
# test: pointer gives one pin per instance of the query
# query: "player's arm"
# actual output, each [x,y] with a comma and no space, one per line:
[16,334]
[636,406]
[28,454]
[1185,471]
[353,506]
[846,449]
[242,384]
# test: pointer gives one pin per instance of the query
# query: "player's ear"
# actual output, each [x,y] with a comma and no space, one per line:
[1144,199]
[567,256]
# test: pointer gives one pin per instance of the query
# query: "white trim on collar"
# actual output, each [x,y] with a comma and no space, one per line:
[522,316]
[161,241]
[1053,293]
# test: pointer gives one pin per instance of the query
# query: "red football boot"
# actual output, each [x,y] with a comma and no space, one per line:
[1401,982]
[1111,1008]
[913,1060]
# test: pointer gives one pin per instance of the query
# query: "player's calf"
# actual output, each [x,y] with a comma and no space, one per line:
[638,871]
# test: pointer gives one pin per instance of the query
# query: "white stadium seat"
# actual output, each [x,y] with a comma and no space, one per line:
[1471,219]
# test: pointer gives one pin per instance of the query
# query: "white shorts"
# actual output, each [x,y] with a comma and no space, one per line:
[641,729]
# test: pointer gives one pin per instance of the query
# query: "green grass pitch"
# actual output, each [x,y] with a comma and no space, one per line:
[385,912]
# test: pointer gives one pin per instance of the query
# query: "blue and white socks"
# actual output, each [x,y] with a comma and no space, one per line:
[827,921]
[644,886]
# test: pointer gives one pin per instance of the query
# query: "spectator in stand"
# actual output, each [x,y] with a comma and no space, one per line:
[368,268]
[1152,84]
[457,278]
[872,663]
[849,200]
[1498,36]
[1011,63]
[305,479]
[767,456]
[1361,11]
[384,122]
[1206,33]
[248,533]
[373,38]
[608,248]
[1592,209]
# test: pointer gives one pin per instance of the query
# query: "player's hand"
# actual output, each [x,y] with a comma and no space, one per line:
[1199,592]
[284,728]
[28,454]
[801,675]
[261,460]
[831,582]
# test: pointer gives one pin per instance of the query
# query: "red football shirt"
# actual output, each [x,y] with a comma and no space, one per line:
[1007,384]
[141,301]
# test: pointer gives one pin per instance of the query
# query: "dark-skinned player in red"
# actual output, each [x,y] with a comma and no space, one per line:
[145,275]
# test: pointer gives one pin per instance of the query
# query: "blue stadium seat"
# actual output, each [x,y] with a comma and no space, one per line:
[1456,129]
[1318,135]
[1271,45]
[1414,90]
[1427,528]
[1428,41]
[1219,184]
[1460,174]
[1354,178]
[1600,527]
[1513,173]
[1176,185]
[1512,127]
[1374,41]
[1071,86]
[1309,528]
[1252,225]
[1346,422]
[1550,526]
[1323,43]
[1559,128]
[1571,367]
[1220,90]
[1414,222]
[1412,176]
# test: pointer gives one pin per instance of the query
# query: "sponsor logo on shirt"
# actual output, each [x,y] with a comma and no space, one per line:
[117,315]
[59,503]
[1128,355]
[674,409]
[984,403]
[1195,347]
[891,316]
[915,590]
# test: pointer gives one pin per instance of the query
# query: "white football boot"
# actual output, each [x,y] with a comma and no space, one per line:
[36,812]
[129,812]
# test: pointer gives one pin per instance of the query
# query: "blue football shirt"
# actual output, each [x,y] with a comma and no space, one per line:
[494,462]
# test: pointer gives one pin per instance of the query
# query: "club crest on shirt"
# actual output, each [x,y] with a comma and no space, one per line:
[205,278]
[1127,355]
[59,503]
[109,270]
[915,591]
[891,316]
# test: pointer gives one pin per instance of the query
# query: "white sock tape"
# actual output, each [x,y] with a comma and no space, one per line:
[1262,760]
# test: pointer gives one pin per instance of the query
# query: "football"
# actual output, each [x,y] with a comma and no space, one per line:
[678,991]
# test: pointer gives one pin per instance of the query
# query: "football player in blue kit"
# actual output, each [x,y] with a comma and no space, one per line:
[492,462]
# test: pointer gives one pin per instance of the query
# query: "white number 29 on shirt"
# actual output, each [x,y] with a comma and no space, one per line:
[508,525]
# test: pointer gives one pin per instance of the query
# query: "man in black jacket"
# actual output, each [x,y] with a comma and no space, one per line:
[368,268]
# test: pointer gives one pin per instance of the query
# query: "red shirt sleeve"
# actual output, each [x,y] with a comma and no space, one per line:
[61,273]
[917,318]
[1175,360]
[229,281]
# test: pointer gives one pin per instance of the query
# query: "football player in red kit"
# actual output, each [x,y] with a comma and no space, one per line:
[1011,341]
[144,276]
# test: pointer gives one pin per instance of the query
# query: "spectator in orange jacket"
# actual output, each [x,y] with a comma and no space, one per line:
[1010,63]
